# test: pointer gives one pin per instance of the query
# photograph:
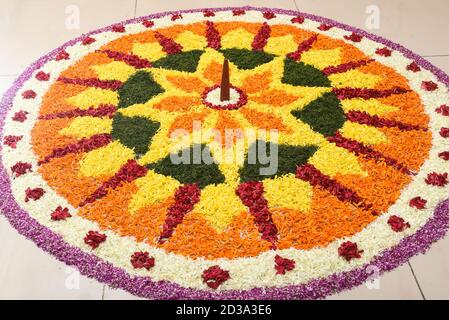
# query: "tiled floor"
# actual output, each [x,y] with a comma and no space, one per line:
[32,28]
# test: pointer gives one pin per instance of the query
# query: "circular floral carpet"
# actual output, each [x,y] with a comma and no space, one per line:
[95,135]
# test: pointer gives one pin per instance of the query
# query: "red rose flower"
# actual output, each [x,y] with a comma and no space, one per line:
[444,132]
[238,12]
[413,67]
[282,265]
[325,27]
[354,37]
[29,94]
[42,76]
[437,179]
[94,238]
[297,19]
[62,55]
[11,141]
[208,13]
[176,16]
[384,52]
[33,194]
[443,109]
[60,214]
[418,203]
[88,40]
[269,15]
[215,276]
[141,260]
[444,155]
[20,116]
[397,223]
[21,168]
[429,85]
[148,23]
[349,250]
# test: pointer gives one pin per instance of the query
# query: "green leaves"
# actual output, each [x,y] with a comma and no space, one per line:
[134,132]
[191,165]
[301,74]
[184,61]
[323,115]
[247,59]
[262,154]
[139,88]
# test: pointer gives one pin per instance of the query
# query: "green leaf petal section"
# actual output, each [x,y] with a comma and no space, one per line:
[262,153]
[184,61]
[139,88]
[324,115]
[191,165]
[301,74]
[247,59]
[134,132]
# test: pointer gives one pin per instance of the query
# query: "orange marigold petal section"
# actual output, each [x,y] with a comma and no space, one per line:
[195,238]
[389,78]
[257,82]
[54,99]
[125,43]
[275,97]
[172,32]
[83,68]
[226,122]
[187,83]
[213,72]
[186,121]
[410,111]
[263,120]
[177,103]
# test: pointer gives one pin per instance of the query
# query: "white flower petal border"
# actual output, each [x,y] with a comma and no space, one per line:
[429,226]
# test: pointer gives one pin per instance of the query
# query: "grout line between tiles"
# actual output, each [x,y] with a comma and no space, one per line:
[296,5]
[416,280]
[435,55]
[102,293]
[135,8]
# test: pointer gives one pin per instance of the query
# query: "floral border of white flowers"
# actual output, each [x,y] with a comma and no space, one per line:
[246,273]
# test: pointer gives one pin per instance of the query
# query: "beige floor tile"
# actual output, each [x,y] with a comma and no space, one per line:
[145,7]
[32,28]
[419,26]
[118,294]
[26,272]
[394,285]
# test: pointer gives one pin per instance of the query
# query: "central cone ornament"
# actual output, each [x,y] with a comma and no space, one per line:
[225,85]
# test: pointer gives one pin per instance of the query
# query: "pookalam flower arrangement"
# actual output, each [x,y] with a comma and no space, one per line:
[89,132]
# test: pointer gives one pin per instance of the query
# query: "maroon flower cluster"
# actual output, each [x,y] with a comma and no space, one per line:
[20,116]
[444,132]
[215,276]
[437,179]
[297,19]
[167,44]
[443,109]
[325,27]
[345,67]
[385,52]
[148,23]
[444,155]
[93,82]
[261,38]
[413,67]
[398,224]
[11,141]
[363,117]
[208,13]
[269,15]
[62,55]
[87,40]
[118,28]
[309,173]
[176,16]
[213,36]
[60,213]
[129,172]
[365,93]
[83,145]
[128,58]
[29,94]
[429,85]
[20,168]
[185,199]
[359,148]
[349,251]
[33,194]
[238,12]
[282,265]
[251,195]
[94,238]
[42,76]
[354,37]
[141,260]
[104,110]
[418,203]
[302,47]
